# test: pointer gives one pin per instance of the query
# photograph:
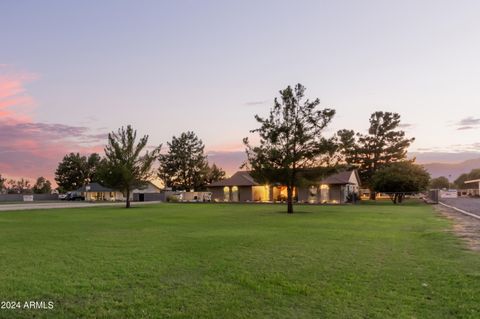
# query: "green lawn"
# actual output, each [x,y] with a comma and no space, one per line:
[237,261]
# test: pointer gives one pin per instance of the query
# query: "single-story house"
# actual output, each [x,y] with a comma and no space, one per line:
[242,187]
[97,192]
[150,192]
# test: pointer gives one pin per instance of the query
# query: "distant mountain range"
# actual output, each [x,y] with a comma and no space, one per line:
[452,170]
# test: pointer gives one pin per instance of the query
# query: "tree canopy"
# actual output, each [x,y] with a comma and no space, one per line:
[214,173]
[185,165]
[439,183]
[2,184]
[460,181]
[383,144]
[291,139]
[42,186]
[399,178]
[127,165]
[20,186]
[76,170]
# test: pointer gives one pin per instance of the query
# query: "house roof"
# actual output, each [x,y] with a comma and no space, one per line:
[155,186]
[240,178]
[95,187]
[243,178]
[340,178]
[147,185]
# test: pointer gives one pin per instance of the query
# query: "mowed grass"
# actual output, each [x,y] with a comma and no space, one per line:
[238,261]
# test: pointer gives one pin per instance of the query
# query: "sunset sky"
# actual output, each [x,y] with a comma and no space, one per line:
[70,72]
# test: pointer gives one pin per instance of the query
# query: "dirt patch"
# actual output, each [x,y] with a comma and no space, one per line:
[464,226]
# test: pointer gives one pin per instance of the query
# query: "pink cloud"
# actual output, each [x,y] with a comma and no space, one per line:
[15,103]
[230,155]
[28,148]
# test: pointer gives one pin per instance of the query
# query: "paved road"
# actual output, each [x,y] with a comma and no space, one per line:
[61,204]
[471,205]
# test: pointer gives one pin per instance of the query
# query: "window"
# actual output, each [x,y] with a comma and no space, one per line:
[226,194]
[261,193]
[234,194]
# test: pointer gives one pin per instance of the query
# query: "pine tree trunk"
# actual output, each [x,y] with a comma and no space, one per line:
[373,196]
[128,199]
[289,200]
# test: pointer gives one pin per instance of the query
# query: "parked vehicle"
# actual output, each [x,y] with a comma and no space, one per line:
[62,196]
[74,196]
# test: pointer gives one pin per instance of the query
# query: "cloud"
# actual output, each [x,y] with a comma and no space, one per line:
[443,157]
[15,103]
[256,102]
[29,148]
[447,154]
[468,123]
[451,149]
[230,161]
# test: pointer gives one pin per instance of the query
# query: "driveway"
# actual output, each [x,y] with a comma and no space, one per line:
[470,205]
[61,204]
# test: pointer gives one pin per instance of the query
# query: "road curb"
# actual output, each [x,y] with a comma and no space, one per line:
[460,210]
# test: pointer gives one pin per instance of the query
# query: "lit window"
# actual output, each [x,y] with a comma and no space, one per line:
[226,194]
[234,194]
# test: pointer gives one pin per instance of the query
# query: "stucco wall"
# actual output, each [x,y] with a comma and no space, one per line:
[303,193]
[217,193]
[117,196]
[335,193]
[149,197]
[244,193]
[19,197]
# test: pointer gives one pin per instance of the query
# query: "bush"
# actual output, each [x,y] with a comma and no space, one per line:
[172,199]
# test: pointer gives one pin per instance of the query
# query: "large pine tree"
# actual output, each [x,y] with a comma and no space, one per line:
[384,143]
[185,165]
[127,165]
[76,170]
[291,140]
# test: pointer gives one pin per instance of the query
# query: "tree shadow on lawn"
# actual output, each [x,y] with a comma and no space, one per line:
[388,202]
[295,212]
[307,209]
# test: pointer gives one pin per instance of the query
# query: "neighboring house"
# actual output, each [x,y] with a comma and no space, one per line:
[97,192]
[150,188]
[150,192]
[474,191]
[242,187]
